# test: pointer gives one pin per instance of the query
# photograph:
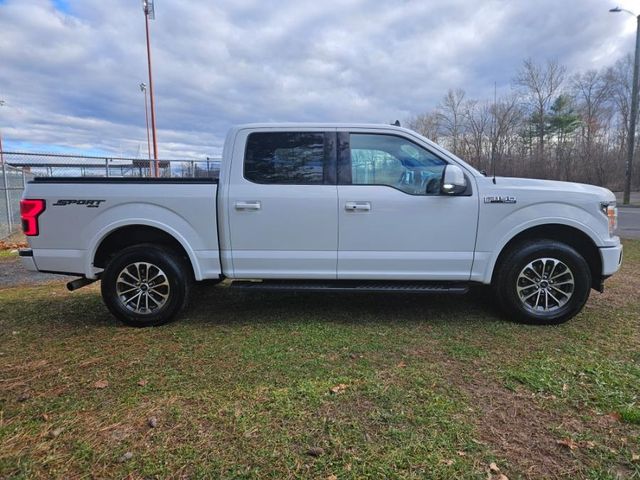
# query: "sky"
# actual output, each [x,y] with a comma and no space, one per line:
[70,69]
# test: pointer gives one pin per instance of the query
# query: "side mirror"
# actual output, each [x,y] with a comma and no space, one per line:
[453,181]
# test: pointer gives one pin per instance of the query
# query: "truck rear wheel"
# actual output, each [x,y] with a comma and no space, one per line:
[145,285]
[543,282]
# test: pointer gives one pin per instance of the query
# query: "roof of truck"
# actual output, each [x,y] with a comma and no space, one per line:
[319,125]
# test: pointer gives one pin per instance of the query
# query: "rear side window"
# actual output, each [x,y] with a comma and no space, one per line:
[293,158]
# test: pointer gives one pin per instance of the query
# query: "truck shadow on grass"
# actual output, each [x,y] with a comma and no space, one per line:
[210,305]
[223,306]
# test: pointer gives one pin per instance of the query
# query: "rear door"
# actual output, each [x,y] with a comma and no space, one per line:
[393,222]
[282,204]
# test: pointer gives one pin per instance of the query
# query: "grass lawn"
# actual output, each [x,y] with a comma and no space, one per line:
[327,386]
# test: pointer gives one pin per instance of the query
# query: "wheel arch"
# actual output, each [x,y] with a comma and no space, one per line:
[122,236]
[572,236]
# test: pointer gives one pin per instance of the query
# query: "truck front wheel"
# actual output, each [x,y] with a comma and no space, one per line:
[145,285]
[542,282]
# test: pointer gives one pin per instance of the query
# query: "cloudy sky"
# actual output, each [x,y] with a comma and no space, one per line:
[70,69]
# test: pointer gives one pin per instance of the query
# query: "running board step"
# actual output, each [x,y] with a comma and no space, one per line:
[353,286]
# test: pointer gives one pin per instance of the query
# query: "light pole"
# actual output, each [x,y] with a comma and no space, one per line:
[634,109]
[143,89]
[2,104]
[149,14]
[5,183]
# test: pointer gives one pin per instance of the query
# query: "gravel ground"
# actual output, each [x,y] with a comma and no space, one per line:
[12,273]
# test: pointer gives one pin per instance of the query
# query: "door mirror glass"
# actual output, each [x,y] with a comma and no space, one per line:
[453,181]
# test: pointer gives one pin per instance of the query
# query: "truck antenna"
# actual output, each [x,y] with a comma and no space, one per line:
[493,140]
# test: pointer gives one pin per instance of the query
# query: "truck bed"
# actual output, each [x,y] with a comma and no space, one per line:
[81,213]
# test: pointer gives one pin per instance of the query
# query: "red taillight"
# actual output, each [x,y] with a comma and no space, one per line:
[30,210]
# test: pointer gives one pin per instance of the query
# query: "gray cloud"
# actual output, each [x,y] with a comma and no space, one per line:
[70,78]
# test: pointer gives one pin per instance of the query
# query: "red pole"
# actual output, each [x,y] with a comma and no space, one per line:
[153,112]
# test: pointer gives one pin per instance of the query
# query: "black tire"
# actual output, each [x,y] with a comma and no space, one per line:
[171,296]
[508,278]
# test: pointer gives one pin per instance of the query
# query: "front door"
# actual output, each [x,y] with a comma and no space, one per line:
[393,222]
[282,205]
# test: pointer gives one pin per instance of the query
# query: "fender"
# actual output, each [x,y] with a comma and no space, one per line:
[143,214]
[485,259]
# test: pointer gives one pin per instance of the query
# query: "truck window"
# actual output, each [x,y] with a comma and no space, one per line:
[396,162]
[294,158]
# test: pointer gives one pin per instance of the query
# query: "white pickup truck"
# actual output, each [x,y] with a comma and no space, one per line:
[326,207]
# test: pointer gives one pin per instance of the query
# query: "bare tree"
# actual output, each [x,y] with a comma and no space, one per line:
[593,96]
[478,124]
[543,128]
[507,117]
[451,117]
[540,84]
[426,124]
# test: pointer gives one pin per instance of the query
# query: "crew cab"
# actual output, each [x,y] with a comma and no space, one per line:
[326,207]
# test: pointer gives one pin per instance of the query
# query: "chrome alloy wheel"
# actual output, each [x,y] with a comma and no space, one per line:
[142,287]
[545,285]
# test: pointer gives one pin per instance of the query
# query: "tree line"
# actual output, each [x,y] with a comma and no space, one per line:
[549,125]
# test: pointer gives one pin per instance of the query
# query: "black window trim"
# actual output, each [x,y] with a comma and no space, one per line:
[329,164]
[344,164]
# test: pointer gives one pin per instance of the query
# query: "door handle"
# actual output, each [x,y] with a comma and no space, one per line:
[357,206]
[248,205]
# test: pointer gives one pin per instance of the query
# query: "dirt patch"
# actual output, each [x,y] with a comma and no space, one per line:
[520,431]
[535,441]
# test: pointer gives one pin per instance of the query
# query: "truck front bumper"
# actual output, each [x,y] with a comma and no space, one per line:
[611,259]
[26,255]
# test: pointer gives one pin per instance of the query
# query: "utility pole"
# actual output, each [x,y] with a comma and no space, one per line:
[2,103]
[149,14]
[634,111]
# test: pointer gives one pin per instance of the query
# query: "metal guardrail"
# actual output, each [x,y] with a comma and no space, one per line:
[20,167]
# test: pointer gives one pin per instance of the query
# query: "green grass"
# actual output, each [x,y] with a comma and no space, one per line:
[241,387]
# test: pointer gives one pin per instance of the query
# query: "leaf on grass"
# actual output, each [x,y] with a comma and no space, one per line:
[567,443]
[635,457]
[339,388]
[502,476]
[101,384]
[461,453]
[127,456]
[332,477]
[142,382]
[55,433]
[493,467]
[401,365]
[447,462]
[615,416]
[315,451]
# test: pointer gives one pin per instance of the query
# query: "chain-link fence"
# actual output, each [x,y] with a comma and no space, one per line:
[19,167]
[12,182]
